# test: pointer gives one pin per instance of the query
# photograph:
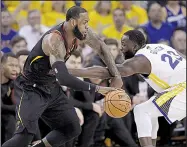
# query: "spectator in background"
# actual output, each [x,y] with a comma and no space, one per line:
[157,30]
[175,14]
[57,14]
[9,72]
[34,30]
[84,49]
[113,46]
[118,130]
[144,32]
[22,56]
[119,27]
[101,17]
[84,101]
[7,33]
[134,14]
[18,43]
[179,40]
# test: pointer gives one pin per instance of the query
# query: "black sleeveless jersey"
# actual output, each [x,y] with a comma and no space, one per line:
[37,67]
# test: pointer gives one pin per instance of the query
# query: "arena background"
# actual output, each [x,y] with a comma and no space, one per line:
[24,22]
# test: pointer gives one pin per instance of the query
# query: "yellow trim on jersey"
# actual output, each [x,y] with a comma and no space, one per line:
[36,58]
[20,108]
[158,81]
[170,94]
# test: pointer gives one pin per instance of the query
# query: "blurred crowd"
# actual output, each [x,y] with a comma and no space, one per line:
[24,22]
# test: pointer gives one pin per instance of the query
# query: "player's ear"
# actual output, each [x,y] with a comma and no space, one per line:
[135,47]
[73,22]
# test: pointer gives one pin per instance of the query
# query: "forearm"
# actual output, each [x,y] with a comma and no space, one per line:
[99,72]
[91,72]
[101,48]
[64,78]
[109,61]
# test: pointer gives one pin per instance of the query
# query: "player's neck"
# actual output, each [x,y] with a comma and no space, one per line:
[5,30]
[68,32]
[4,79]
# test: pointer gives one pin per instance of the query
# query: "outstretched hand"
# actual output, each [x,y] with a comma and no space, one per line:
[104,90]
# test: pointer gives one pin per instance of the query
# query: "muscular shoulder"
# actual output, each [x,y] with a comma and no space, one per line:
[51,43]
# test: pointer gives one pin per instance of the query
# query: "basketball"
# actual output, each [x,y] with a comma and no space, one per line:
[117,104]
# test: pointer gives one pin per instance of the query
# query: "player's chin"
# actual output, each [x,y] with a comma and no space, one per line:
[83,37]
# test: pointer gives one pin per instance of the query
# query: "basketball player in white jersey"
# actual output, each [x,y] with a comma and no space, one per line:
[164,69]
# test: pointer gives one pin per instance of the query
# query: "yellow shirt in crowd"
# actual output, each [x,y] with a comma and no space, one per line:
[99,22]
[54,18]
[136,13]
[139,13]
[111,32]
[88,5]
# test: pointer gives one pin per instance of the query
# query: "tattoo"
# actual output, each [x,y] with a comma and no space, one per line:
[54,47]
[97,44]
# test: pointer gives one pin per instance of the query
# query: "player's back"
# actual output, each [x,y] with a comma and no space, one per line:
[167,66]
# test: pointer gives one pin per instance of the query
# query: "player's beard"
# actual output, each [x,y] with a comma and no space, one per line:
[128,54]
[78,34]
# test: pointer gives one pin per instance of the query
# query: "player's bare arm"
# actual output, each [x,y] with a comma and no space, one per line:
[54,47]
[135,65]
[97,44]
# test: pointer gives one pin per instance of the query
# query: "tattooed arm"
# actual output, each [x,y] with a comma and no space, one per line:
[53,46]
[101,48]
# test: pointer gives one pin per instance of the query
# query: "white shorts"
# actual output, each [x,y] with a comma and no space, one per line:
[172,103]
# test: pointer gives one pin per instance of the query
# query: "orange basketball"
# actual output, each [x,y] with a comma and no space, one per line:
[117,103]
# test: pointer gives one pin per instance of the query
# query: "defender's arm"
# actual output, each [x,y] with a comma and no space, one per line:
[139,64]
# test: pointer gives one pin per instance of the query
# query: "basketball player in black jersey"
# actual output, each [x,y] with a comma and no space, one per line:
[38,92]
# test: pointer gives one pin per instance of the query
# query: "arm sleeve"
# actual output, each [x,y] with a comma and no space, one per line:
[9,108]
[64,78]
[80,104]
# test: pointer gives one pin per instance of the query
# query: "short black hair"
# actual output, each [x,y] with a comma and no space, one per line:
[150,5]
[74,12]
[6,55]
[136,36]
[77,53]
[110,41]
[22,52]
[17,39]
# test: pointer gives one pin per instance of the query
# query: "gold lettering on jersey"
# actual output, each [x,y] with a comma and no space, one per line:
[36,58]
[155,50]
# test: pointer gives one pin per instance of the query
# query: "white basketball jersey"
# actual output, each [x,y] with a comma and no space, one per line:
[168,68]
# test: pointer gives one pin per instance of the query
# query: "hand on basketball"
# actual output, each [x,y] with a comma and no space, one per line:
[104,90]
